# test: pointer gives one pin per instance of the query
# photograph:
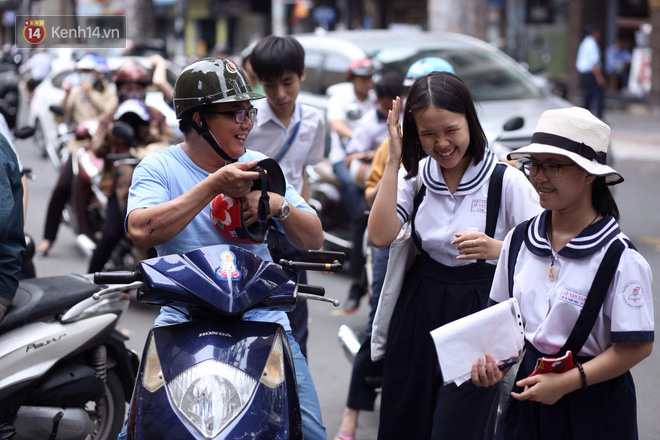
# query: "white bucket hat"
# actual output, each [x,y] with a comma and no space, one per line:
[576,134]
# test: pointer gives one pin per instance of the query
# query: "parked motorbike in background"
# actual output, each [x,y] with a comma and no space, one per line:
[66,372]
[218,376]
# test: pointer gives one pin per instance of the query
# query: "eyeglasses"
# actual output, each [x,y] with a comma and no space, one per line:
[549,169]
[239,115]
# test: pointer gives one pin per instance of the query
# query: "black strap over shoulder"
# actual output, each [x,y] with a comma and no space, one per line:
[595,299]
[517,239]
[494,198]
[416,202]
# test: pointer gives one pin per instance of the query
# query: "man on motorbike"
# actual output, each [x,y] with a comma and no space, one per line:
[150,131]
[88,96]
[172,189]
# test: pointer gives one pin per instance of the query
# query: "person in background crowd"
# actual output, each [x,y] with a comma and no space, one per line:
[617,64]
[159,78]
[589,65]
[172,190]
[249,71]
[348,103]
[582,287]
[87,95]
[291,133]
[151,131]
[444,145]
[371,129]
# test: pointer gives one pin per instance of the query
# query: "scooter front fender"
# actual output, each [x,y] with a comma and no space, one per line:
[269,413]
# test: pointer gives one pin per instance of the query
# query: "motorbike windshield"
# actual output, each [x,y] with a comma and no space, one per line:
[222,278]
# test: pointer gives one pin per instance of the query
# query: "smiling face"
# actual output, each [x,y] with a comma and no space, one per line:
[282,92]
[569,190]
[231,136]
[444,136]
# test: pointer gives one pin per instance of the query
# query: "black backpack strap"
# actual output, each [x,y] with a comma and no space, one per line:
[494,201]
[595,299]
[517,239]
[494,198]
[417,201]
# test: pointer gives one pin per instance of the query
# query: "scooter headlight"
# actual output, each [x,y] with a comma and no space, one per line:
[210,395]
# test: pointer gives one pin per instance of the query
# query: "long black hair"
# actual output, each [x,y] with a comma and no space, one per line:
[602,199]
[446,91]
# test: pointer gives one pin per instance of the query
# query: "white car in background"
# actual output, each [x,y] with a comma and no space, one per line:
[502,87]
[49,92]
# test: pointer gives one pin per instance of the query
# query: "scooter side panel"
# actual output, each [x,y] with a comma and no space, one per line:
[29,351]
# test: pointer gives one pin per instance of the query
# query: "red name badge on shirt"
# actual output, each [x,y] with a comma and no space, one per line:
[553,365]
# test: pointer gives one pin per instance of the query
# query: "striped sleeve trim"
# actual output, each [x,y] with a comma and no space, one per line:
[402,213]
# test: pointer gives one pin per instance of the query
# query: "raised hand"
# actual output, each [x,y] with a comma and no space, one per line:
[394,129]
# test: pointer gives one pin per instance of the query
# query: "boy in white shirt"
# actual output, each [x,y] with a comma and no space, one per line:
[291,133]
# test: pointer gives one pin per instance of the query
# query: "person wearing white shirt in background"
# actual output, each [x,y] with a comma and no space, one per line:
[588,64]
[347,104]
[291,133]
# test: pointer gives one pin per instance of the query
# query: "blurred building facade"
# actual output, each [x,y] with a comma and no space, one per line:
[544,34]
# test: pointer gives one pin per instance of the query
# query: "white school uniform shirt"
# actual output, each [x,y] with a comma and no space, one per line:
[341,101]
[369,133]
[269,135]
[588,55]
[550,309]
[442,214]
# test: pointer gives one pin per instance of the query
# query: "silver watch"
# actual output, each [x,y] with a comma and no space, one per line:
[285,210]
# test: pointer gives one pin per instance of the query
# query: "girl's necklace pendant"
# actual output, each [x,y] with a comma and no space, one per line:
[553,270]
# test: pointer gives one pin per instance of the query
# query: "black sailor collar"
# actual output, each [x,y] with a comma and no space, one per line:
[590,240]
[475,175]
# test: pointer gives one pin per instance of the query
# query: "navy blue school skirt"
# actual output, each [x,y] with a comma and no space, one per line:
[414,403]
[607,410]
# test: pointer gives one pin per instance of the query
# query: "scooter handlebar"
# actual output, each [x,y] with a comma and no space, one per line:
[313,290]
[120,277]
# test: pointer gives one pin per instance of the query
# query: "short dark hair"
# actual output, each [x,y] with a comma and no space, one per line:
[389,86]
[446,91]
[273,55]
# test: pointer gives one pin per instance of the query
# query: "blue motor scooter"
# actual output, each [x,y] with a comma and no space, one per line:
[217,376]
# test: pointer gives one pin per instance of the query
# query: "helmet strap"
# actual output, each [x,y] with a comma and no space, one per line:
[203,130]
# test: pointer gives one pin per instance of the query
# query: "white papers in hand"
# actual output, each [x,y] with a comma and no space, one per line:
[497,330]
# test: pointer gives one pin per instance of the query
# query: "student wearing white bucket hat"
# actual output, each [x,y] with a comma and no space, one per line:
[582,287]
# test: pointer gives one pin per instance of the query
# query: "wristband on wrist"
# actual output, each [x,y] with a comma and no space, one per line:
[582,375]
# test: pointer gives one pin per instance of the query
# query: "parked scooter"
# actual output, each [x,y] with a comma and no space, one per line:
[66,372]
[218,376]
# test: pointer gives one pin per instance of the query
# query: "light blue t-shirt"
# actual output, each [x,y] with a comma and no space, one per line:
[167,174]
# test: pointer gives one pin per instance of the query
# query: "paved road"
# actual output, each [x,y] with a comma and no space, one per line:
[637,199]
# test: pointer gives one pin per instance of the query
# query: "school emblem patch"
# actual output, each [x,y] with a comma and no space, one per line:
[633,295]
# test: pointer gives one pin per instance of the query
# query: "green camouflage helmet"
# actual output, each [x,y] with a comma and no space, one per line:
[211,81]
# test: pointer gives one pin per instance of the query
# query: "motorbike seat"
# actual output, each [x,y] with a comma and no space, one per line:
[40,298]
